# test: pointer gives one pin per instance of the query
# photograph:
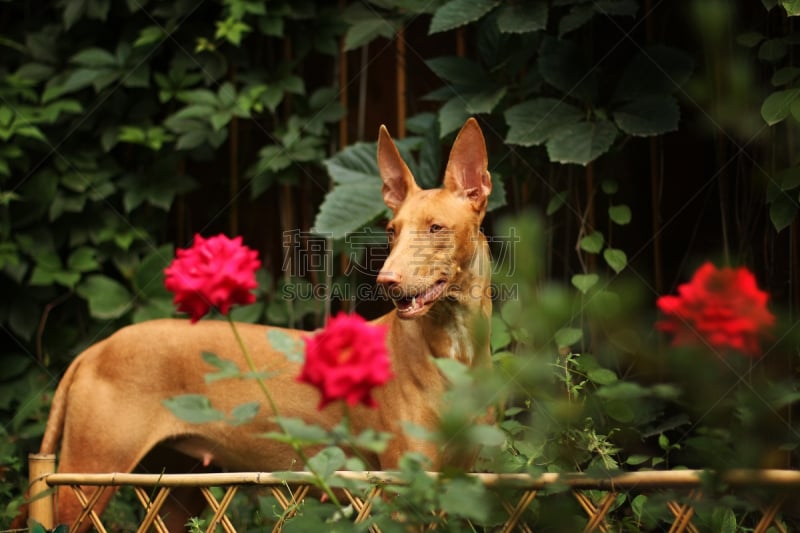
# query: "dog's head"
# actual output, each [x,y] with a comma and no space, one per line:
[435,241]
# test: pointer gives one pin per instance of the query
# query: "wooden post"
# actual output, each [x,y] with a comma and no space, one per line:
[40,465]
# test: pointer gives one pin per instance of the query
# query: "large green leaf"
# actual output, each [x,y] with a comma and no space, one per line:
[348,207]
[107,298]
[466,498]
[148,280]
[582,142]
[452,115]
[578,16]
[522,17]
[95,58]
[648,115]
[456,13]
[792,7]
[782,211]
[365,25]
[531,123]
[563,65]
[458,70]
[777,106]
[355,164]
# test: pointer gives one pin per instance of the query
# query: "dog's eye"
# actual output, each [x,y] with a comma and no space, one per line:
[436,228]
[390,233]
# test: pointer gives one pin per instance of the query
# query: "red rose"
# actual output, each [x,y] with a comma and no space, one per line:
[346,360]
[723,308]
[215,272]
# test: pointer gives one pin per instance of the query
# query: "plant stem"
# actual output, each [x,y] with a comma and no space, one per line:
[323,484]
[251,365]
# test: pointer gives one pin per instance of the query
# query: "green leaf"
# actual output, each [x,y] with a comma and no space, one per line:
[649,115]
[563,65]
[457,13]
[609,186]
[616,259]
[623,8]
[291,347]
[298,431]
[452,115]
[792,7]
[365,25]
[523,17]
[150,35]
[193,408]
[782,211]
[455,372]
[226,368]
[776,106]
[772,50]
[723,520]
[349,207]
[592,243]
[95,58]
[601,376]
[457,70]
[581,143]
[555,203]
[584,282]
[533,122]
[483,102]
[83,259]
[149,276]
[244,413]
[750,39]
[784,75]
[578,16]
[620,214]
[637,459]
[566,337]
[107,298]
[486,435]
[465,498]
[326,462]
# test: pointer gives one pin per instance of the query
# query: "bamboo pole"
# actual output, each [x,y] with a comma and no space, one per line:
[627,480]
[40,466]
[400,66]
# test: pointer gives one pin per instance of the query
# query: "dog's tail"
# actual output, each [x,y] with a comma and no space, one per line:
[52,432]
[58,409]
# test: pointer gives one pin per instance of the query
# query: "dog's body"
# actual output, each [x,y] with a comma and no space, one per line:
[108,411]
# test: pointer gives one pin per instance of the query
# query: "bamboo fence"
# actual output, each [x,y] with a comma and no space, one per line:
[597,496]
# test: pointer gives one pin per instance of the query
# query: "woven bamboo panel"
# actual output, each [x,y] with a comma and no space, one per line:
[596,496]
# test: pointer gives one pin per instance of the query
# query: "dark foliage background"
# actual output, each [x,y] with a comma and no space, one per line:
[651,135]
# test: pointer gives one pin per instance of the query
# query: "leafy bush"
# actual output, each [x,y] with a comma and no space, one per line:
[129,126]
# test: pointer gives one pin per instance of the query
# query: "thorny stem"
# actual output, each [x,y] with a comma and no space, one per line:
[323,484]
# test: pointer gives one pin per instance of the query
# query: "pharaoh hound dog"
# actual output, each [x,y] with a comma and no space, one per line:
[108,413]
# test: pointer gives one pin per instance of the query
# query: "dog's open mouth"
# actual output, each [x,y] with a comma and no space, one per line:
[415,305]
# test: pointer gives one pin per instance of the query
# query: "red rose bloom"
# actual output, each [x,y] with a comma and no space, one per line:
[346,360]
[215,272]
[722,307]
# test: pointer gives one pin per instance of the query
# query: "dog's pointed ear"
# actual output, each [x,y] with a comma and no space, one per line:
[398,181]
[467,169]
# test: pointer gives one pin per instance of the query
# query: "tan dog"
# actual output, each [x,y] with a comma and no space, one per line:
[108,412]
